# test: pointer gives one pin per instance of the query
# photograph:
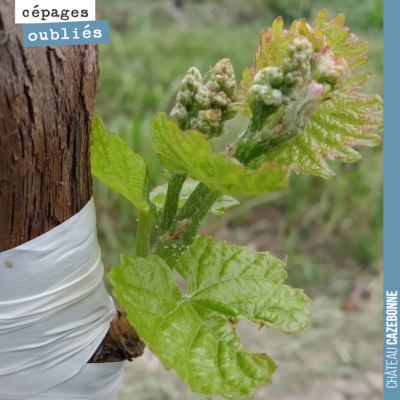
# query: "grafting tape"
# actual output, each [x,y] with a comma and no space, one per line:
[54,313]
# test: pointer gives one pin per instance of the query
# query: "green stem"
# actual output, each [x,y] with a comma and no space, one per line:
[171,202]
[252,142]
[245,143]
[194,211]
[186,224]
[272,142]
[143,233]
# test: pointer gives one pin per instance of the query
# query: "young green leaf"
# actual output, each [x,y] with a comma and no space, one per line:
[272,50]
[194,333]
[158,196]
[118,166]
[191,153]
[347,120]
[343,41]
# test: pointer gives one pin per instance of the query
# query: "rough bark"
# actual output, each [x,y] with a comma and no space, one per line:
[47,101]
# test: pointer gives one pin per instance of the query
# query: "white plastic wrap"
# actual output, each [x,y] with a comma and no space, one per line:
[54,313]
[93,382]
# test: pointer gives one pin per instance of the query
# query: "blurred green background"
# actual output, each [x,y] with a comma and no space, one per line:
[331,231]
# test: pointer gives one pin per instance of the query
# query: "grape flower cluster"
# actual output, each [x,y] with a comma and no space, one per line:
[204,107]
[303,77]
